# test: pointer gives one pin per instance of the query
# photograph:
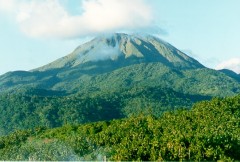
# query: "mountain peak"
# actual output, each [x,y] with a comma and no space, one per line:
[125,49]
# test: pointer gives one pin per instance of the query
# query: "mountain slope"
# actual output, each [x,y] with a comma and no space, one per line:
[122,50]
[109,77]
[201,81]
[33,107]
[122,60]
[231,74]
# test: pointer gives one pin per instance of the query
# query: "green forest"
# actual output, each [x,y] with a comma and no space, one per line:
[121,97]
[34,107]
[209,130]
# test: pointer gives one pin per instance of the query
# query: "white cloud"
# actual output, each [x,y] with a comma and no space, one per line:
[232,64]
[49,19]
[7,5]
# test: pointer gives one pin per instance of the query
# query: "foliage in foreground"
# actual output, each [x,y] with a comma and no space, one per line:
[209,131]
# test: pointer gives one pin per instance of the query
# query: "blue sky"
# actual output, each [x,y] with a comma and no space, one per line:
[36,32]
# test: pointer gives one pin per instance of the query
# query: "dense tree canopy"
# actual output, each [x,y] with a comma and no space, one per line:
[36,107]
[209,131]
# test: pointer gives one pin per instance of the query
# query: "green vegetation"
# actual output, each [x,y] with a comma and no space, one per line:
[141,101]
[35,107]
[202,81]
[209,131]
[140,61]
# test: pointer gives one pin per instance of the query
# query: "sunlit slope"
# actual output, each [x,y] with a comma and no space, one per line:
[122,50]
[122,61]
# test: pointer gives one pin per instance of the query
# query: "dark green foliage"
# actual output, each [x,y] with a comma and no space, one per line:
[201,81]
[28,109]
[231,74]
[140,61]
[146,79]
[209,131]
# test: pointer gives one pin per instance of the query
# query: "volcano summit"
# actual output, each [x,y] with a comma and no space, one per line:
[124,61]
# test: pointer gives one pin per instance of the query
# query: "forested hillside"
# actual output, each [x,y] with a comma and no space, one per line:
[35,107]
[110,77]
[123,61]
[209,131]
[123,97]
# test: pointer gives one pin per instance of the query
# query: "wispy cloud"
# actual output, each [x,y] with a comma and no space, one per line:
[49,19]
[232,64]
[209,62]
[8,5]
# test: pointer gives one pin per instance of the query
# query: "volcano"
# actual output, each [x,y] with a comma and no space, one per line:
[123,50]
[110,77]
[122,61]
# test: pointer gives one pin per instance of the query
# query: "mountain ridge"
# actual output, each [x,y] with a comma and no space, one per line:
[70,90]
[125,48]
[121,60]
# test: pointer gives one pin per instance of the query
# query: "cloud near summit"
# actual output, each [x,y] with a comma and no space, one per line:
[50,19]
[232,64]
